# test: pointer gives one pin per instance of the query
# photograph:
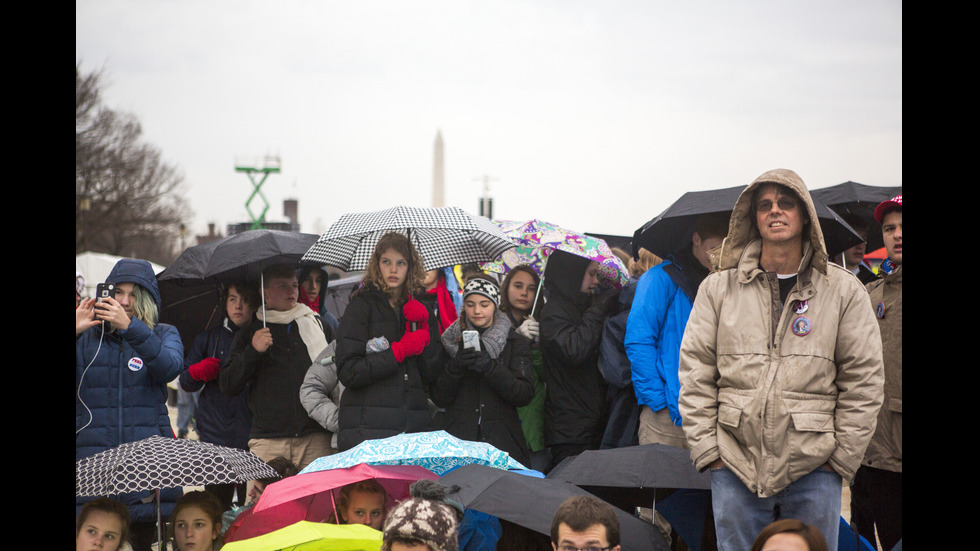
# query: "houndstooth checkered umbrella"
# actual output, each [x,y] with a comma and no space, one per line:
[157,463]
[443,236]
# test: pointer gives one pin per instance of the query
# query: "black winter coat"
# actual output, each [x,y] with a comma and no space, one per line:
[271,379]
[483,407]
[381,397]
[571,328]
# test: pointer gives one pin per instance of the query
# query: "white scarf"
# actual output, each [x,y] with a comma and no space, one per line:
[310,328]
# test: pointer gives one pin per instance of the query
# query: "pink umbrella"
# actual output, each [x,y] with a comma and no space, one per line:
[312,496]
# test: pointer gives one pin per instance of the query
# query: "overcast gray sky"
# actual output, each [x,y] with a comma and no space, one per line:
[594,115]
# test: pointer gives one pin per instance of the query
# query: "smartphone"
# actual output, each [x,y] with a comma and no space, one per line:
[471,339]
[104,290]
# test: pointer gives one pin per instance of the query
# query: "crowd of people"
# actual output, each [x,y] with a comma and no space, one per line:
[777,368]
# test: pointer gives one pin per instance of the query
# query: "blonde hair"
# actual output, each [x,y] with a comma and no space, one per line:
[145,307]
[400,244]
[646,261]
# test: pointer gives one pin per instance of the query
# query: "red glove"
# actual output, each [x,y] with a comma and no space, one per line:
[416,316]
[412,344]
[207,369]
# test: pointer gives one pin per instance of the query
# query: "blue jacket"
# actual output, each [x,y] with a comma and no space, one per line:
[121,382]
[653,339]
[220,419]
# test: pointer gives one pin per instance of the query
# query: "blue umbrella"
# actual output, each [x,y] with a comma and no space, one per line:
[437,451]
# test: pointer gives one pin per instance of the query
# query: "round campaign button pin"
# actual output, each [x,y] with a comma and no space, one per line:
[880,310]
[801,306]
[135,364]
[801,326]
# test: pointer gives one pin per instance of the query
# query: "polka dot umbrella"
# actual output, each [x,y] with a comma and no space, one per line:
[157,463]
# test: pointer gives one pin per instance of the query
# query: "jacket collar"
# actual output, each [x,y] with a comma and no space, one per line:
[749,269]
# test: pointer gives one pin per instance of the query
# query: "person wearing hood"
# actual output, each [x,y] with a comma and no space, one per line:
[780,369]
[124,359]
[222,420]
[570,329]
[876,494]
[268,360]
[313,282]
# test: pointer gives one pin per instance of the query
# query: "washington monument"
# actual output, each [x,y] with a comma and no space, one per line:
[438,173]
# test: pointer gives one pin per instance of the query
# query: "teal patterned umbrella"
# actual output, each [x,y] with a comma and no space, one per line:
[537,239]
[437,451]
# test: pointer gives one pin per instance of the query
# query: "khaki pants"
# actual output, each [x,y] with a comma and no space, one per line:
[657,428]
[301,450]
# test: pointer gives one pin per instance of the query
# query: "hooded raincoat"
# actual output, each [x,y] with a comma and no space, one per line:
[773,395]
[121,381]
[571,329]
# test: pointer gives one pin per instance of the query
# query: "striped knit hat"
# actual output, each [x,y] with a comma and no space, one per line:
[482,286]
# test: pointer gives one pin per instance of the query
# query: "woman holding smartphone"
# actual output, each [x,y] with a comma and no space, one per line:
[124,358]
[488,374]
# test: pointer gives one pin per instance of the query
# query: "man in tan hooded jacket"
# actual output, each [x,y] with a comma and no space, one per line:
[780,369]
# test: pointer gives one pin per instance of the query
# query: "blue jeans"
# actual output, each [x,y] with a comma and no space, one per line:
[740,515]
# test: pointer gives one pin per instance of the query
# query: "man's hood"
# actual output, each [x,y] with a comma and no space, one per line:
[140,272]
[742,230]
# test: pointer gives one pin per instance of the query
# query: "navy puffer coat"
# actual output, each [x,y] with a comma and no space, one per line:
[121,385]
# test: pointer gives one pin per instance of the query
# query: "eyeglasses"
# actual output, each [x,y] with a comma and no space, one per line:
[570,548]
[784,203]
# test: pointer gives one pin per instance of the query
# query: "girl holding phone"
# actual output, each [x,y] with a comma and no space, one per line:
[481,387]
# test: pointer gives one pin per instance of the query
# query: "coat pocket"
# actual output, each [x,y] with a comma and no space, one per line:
[811,441]
[732,437]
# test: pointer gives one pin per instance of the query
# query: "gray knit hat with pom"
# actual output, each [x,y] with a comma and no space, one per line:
[428,516]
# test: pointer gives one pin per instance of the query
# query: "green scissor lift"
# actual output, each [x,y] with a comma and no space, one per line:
[257,175]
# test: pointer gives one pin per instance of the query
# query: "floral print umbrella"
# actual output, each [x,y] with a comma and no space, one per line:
[537,239]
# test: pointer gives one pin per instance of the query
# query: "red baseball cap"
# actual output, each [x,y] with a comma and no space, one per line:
[885,206]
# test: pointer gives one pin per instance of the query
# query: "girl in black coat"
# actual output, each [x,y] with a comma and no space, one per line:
[388,350]
[482,389]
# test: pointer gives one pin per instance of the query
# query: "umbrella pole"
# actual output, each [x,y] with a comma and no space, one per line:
[161,545]
[262,289]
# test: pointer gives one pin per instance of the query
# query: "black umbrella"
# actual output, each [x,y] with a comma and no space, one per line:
[852,199]
[531,502]
[190,302]
[191,309]
[670,230]
[243,256]
[190,288]
[649,475]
